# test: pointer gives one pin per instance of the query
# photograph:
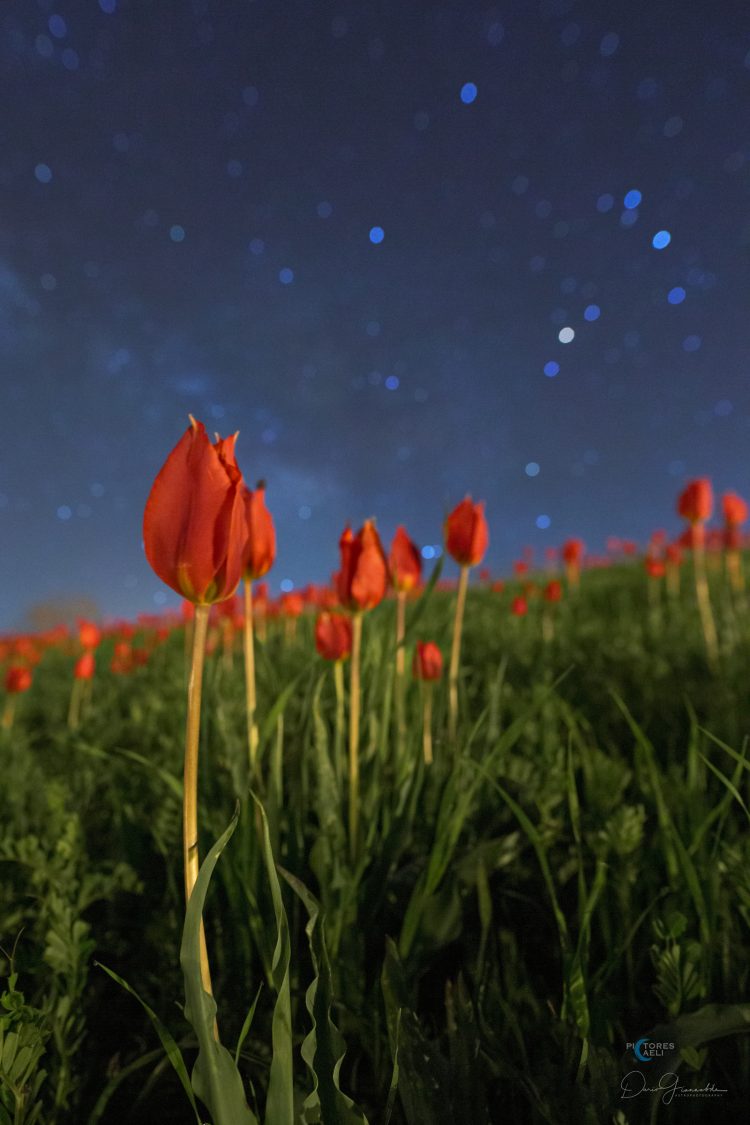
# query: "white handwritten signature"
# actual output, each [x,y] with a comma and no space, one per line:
[634,1083]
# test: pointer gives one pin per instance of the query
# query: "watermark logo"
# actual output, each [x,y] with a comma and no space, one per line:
[647,1050]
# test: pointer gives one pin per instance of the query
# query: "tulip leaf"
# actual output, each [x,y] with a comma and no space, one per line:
[216,1079]
[280,1096]
[323,1048]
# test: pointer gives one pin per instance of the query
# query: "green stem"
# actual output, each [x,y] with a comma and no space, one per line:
[354,709]
[190,856]
[250,697]
[456,654]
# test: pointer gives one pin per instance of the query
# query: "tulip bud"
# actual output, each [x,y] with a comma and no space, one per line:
[466,533]
[404,562]
[194,527]
[260,548]
[88,634]
[333,636]
[84,667]
[17,679]
[553,591]
[519,607]
[696,501]
[362,579]
[428,661]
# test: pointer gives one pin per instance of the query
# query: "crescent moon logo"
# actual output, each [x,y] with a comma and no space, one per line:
[638,1053]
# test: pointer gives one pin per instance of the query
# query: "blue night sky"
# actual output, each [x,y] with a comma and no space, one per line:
[408,250]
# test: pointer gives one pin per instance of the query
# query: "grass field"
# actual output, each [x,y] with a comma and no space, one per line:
[569,875]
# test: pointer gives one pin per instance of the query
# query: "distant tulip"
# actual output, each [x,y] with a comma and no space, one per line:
[84,667]
[361,582]
[427,667]
[498,586]
[734,509]
[553,591]
[333,636]
[519,607]
[655,568]
[428,661]
[292,604]
[17,679]
[404,562]
[696,501]
[520,568]
[89,634]
[466,533]
[572,551]
[260,548]
[695,504]
[194,527]
[735,512]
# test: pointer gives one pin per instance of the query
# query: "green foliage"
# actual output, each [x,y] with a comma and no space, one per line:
[575,868]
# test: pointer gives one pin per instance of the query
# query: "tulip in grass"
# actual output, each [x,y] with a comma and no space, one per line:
[333,641]
[427,667]
[361,584]
[735,512]
[89,634]
[695,504]
[519,607]
[572,555]
[17,681]
[466,541]
[333,636]
[194,532]
[194,529]
[405,569]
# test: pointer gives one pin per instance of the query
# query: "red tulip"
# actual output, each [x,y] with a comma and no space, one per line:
[84,667]
[260,548]
[520,568]
[553,591]
[572,551]
[404,562]
[655,568]
[696,501]
[194,527]
[17,679]
[734,509]
[88,634]
[292,604]
[333,636]
[361,581]
[428,661]
[519,607]
[466,533]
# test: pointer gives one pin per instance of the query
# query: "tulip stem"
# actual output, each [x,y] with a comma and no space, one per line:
[400,668]
[354,706]
[74,710]
[191,861]
[338,680]
[456,653]
[427,723]
[734,571]
[250,697]
[9,712]
[704,602]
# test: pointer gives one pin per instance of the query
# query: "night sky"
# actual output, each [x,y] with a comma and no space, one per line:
[361,234]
